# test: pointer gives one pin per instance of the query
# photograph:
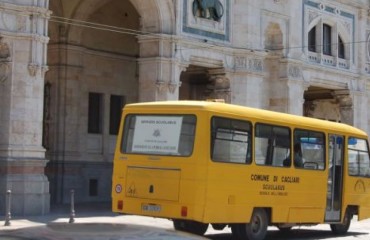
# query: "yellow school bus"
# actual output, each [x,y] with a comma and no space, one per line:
[200,163]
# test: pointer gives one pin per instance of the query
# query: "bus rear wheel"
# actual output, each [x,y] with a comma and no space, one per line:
[256,229]
[342,228]
[189,226]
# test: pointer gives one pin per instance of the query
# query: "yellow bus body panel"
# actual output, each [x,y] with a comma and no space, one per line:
[153,183]
[215,192]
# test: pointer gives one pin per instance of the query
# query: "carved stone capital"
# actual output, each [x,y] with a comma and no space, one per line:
[173,86]
[161,86]
[4,71]
[33,68]
[4,51]
[44,70]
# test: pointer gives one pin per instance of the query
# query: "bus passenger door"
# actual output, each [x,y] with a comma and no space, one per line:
[335,176]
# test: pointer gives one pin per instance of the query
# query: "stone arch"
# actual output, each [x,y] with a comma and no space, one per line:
[345,35]
[57,7]
[82,13]
[54,30]
[313,23]
[155,16]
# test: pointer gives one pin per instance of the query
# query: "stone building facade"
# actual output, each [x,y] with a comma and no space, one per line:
[67,67]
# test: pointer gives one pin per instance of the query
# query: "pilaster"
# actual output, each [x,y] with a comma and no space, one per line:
[287,90]
[159,69]
[23,36]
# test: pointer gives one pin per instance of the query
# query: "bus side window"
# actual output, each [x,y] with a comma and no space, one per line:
[230,140]
[358,157]
[272,145]
[309,149]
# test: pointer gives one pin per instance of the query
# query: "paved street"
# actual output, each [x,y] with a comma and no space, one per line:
[103,224]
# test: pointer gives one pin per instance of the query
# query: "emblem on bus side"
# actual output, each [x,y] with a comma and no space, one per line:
[157,133]
[360,186]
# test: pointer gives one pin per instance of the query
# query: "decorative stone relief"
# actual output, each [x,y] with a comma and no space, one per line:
[33,69]
[4,51]
[173,86]
[250,64]
[5,60]
[312,15]
[218,88]
[209,9]
[294,71]
[44,69]
[163,87]
[21,23]
[255,65]
[4,72]
[207,18]
[347,25]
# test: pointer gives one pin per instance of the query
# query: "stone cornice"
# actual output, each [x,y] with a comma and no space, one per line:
[29,36]
[24,9]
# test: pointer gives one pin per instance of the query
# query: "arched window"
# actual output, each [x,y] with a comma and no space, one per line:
[341,52]
[326,40]
[312,40]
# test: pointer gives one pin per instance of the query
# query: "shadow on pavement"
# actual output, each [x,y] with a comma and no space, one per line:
[294,234]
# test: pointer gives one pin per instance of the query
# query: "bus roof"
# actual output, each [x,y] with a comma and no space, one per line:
[257,114]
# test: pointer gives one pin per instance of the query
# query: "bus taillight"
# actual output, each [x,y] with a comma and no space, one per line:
[120,205]
[184,211]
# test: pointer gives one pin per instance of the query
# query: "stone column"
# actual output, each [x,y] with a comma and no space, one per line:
[247,81]
[23,34]
[287,91]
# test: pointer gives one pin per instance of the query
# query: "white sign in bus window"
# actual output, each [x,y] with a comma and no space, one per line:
[157,134]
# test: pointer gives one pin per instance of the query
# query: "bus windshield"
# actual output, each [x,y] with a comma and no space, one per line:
[159,134]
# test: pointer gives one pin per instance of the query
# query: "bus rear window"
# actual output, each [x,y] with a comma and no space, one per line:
[159,134]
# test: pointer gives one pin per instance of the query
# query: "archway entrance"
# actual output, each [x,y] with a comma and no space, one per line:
[328,104]
[201,83]
[92,57]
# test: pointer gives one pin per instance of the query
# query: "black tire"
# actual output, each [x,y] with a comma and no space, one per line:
[193,227]
[256,229]
[342,228]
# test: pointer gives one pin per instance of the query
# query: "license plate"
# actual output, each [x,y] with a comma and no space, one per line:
[150,208]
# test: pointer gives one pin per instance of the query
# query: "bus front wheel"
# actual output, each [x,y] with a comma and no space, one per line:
[256,229]
[193,227]
[342,228]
